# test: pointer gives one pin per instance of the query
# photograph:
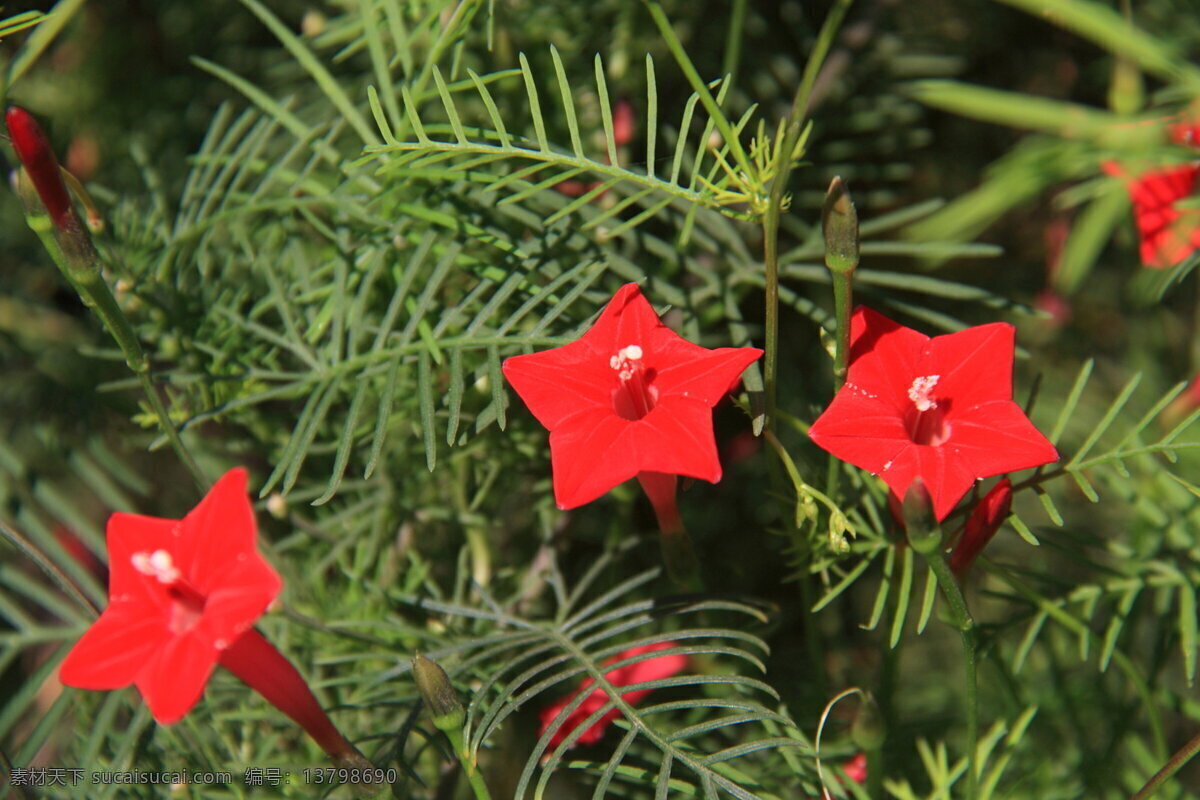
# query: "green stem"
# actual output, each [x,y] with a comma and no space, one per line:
[770,224]
[875,773]
[1173,765]
[781,170]
[474,777]
[843,292]
[966,626]
[885,696]
[814,642]
[118,325]
[82,271]
[771,317]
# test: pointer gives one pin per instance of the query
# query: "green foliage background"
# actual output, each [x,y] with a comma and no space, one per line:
[330,222]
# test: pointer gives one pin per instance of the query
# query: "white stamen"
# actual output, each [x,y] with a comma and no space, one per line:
[622,361]
[157,565]
[919,392]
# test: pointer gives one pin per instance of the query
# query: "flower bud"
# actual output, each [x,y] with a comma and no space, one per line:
[986,518]
[37,157]
[924,533]
[839,223]
[868,730]
[439,696]
[49,192]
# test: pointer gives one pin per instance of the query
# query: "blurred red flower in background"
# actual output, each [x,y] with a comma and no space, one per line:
[1168,233]
[651,669]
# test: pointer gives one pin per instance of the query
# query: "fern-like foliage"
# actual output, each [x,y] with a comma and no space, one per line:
[53,589]
[686,743]
[478,154]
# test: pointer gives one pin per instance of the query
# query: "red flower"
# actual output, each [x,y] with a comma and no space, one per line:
[652,669]
[981,526]
[183,595]
[630,396]
[180,593]
[1168,234]
[936,408]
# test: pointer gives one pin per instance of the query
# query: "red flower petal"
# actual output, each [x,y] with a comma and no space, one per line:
[127,534]
[174,679]
[939,409]
[651,669]
[883,355]
[997,437]
[705,375]
[112,652]
[577,392]
[218,533]
[557,384]
[862,429]
[974,365]
[946,476]
[235,605]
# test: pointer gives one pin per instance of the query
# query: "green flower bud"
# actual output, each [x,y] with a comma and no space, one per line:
[868,731]
[439,696]
[839,223]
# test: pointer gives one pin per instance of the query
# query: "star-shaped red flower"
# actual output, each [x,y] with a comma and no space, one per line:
[629,396]
[181,592]
[938,408]
[650,669]
[1168,234]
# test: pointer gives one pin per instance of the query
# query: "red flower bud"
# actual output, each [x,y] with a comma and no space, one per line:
[985,520]
[37,156]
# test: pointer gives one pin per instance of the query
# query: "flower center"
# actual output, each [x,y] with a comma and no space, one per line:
[187,604]
[925,421]
[634,396]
